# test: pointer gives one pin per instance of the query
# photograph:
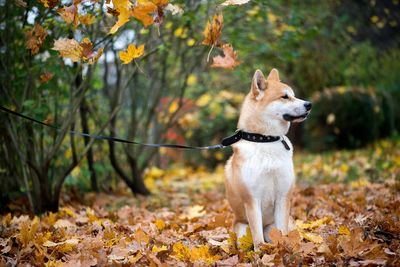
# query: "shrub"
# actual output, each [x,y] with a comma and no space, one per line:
[348,117]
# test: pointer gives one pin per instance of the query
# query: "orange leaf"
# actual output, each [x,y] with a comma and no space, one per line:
[131,53]
[229,59]
[87,19]
[142,11]
[45,77]
[213,30]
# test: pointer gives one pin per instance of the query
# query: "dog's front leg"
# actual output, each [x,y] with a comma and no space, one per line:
[281,215]
[254,217]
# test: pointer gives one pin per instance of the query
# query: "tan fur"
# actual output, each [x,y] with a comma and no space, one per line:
[259,176]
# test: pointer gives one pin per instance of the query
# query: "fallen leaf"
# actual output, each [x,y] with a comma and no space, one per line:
[229,61]
[131,53]
[157,249]
[343,230]
[246,241]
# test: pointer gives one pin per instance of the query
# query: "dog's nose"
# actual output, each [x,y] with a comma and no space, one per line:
[308,105]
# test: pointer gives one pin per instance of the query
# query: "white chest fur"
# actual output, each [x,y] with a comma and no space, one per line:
[266,172]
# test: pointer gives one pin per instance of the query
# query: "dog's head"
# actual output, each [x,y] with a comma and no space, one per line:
[275,100]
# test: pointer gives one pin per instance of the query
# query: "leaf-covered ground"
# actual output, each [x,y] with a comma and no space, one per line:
[346,207]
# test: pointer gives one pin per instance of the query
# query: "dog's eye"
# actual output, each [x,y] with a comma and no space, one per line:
[285,97]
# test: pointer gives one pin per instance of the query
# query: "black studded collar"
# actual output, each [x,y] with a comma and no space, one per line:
[252,137]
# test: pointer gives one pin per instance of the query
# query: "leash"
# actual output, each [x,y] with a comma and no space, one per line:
[228,141]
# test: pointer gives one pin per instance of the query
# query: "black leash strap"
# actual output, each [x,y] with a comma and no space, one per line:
[110,138]
[228,141]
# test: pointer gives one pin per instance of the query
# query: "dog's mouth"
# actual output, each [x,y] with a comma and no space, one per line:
[292,118]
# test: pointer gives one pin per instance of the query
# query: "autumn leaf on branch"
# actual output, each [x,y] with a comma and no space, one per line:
[234,2]
[45,77]
[69,14]
[212,32]
[49,3]
[70,48]
[87,19]
[143,9]
[228,61]
[122,8]
[131,53]
[35,38]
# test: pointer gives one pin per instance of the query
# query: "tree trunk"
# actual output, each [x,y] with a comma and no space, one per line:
[89,155]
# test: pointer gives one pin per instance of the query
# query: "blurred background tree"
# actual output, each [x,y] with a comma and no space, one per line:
[343,55]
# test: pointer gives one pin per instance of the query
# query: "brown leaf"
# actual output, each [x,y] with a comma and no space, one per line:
[45,77]
[69,14]
[35,38]
[229,59]
[212,32]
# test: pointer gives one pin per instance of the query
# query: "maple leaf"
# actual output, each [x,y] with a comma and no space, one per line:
[246,241]
[212,32]
[68,48]
[27,231]
[229,59]
[87,19]
[234,2]
[157,249]
[122,8]
[35,38]
[69,14]
[131,53]
[142,10]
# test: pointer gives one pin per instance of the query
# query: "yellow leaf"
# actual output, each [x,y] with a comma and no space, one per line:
[343,230]
[203,100]
[123,8]
[68,212]
[173,107]
[312,237]
[160,224]
[202,253]
[191,79]
[27,231]
[131,53]
[156,249]
[246,241]
[313,224]
[180,251]
[191,42]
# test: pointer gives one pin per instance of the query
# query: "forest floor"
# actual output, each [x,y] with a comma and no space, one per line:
[346,206]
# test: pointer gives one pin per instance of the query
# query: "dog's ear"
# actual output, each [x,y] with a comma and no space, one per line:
[274,75]
[258,85]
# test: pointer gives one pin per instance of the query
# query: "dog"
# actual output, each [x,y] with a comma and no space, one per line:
[259,176]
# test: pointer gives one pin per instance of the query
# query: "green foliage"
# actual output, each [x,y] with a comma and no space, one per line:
[348,117]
